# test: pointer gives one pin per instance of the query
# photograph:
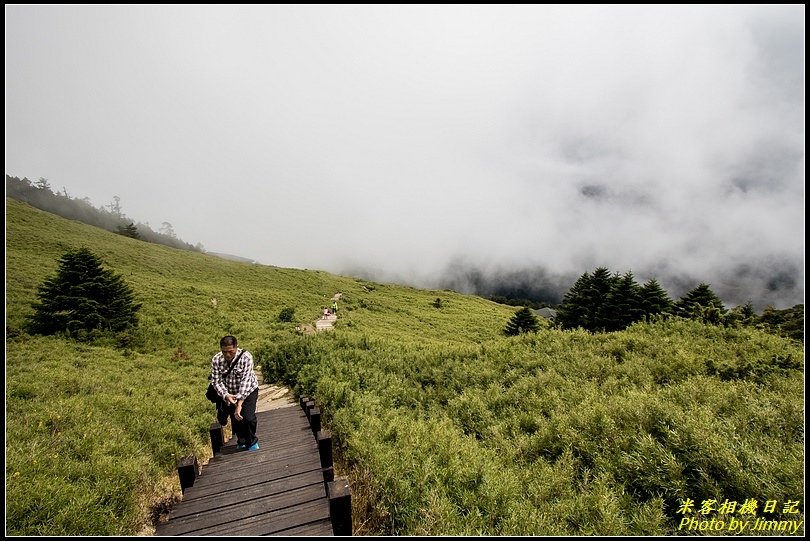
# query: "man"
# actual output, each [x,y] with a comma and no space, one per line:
[233,377]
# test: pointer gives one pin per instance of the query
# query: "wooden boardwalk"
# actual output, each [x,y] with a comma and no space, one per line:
[277,490]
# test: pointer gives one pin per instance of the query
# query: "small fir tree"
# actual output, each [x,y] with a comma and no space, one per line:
[130,231]
[82,298]
[701,303]
[522,322]
[743,315]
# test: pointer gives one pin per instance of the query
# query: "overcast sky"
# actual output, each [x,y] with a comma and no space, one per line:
[667,141]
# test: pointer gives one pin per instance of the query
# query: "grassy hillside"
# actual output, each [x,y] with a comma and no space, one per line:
[445,426]
[562,433]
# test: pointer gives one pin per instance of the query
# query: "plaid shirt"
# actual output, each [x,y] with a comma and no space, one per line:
[241,381]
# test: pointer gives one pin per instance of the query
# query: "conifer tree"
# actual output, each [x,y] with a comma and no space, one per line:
[743,314]
[83,297]
[130,231]
[573,311]
[596,297]
[747,310]
[522,322]
[622,305]
[585,303]
[653,299]
[701,303]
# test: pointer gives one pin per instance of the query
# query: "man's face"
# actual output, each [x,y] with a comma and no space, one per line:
[228,352]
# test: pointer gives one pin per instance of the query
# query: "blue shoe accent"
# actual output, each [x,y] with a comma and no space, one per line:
[240,445]
[254,447]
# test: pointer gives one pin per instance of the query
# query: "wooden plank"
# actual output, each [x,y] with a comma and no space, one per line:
[256,458]
[246,493]
[246,470]
[248,480]
[251,477]
[273,522]
[319,528]
[256,517]
[270,438]
[231,454]
[266,442]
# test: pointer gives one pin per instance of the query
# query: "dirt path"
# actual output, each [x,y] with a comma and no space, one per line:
[273,396]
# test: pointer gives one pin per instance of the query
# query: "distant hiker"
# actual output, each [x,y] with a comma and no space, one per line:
[334,307]
[325,313]
[233,377]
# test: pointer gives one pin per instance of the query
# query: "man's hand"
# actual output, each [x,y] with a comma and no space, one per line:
[229,399]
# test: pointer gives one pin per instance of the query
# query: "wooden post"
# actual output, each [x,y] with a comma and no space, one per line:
[324,438]
[315,420]
[187,471]
[308,408]
[340,506]
[303,402]
[217,437]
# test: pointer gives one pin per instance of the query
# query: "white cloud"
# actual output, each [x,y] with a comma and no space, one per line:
[400,138]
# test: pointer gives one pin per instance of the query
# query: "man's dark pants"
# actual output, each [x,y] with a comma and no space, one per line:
[245,429]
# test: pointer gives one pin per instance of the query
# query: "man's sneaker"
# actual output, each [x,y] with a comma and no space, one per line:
[240,445]
[254,447]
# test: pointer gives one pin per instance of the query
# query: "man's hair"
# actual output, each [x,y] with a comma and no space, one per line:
[227,341]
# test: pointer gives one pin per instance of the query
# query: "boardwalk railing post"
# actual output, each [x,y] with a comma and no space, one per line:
[303,402]
[340,506]
[187,471]
[217,437]
[308,407]
[324,438]
[315,420]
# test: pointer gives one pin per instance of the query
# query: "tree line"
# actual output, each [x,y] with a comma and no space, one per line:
[39,194]
[602,301]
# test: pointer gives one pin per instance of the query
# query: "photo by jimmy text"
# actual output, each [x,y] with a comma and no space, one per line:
[740,518]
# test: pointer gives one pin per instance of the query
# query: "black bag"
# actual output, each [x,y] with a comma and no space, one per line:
[211,392]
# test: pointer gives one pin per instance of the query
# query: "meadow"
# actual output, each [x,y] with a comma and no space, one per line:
[443,425]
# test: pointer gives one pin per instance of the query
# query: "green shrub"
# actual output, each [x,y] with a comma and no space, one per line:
[286,315]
